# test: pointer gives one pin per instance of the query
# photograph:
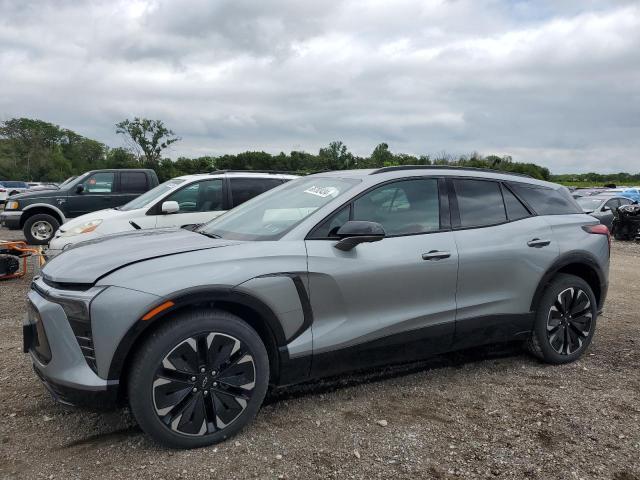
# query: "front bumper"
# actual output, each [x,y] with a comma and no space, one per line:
[63,368]
[11,219]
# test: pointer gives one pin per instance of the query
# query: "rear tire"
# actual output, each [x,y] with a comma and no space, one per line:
[565,320]
[198,379]
[40,228]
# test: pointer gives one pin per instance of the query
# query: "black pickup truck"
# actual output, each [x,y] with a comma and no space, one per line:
[39,214]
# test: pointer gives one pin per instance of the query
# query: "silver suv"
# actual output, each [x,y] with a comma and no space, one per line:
[322,275]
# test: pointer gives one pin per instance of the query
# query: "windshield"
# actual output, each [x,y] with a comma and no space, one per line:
[589,204]
[270,215]
[151,195]
[67,181]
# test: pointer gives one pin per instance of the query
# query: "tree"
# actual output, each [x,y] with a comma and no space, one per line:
[336,157]
[381,156]
[147,138]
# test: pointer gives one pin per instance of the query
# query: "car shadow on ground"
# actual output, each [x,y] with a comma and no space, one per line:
[455,359]
[325,385]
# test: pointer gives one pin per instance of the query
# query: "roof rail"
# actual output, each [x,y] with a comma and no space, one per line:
[275,172]
[445,167]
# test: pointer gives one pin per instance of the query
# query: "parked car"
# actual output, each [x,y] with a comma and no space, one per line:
[183,201]
[602,207]
[39,214]
[10,187]
[325,274]
[36,186]
[585,192]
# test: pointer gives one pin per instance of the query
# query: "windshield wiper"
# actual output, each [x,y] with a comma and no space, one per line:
[210,235]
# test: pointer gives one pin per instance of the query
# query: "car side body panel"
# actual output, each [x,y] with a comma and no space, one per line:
[380,290]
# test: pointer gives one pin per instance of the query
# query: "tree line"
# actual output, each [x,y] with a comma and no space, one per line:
[35,150]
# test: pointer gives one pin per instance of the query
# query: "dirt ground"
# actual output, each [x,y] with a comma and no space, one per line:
[482,414]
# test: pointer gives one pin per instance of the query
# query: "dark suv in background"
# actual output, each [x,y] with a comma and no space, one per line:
[39,214]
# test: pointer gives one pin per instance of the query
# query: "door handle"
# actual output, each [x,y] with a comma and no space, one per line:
[435,255]
[537,243]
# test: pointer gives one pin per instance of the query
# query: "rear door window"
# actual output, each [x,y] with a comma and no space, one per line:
[546,201]
[133,182]
[243,189]
[479,202]
[515,209]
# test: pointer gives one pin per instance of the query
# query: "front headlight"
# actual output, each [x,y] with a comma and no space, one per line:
[84,228]
[12,205]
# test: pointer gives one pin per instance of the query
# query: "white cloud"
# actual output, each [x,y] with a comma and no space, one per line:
[550,82]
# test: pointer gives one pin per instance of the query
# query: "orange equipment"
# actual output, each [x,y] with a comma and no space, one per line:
[11,252]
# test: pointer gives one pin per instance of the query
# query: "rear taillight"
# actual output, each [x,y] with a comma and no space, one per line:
[2,190]
[598,230]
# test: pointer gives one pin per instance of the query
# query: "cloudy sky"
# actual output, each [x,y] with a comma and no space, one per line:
[555,82]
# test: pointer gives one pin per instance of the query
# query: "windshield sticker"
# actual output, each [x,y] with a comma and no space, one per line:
[323,191]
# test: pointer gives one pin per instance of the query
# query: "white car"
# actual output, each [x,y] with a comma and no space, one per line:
[179,202]
[10,187]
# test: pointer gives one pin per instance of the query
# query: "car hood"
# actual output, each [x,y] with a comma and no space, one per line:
[87,262]
[36,194]
[103,215]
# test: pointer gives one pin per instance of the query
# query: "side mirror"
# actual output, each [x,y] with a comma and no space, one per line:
[170,207]
[355,232]
[606,209]
[79,188]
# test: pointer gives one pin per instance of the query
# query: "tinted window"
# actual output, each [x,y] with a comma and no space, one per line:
[480,203]
[625,201]
[515,209]
[243,189]
[402,208]
[133,182]
[199,197]
[613,203]
[547,201]
[99,183]
[14,184]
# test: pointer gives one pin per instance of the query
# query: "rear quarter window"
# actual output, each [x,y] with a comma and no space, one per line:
[546,201]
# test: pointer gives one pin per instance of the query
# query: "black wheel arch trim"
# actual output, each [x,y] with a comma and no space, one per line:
[576,257]
[213,294]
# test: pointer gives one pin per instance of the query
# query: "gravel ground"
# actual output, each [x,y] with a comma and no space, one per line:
[479,414]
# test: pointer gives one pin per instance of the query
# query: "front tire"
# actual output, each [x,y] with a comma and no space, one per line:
[565,320]
[198,379]
[40,228]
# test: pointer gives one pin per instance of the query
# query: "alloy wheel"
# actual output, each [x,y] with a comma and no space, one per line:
[569,321]
[41,230]
[203,384]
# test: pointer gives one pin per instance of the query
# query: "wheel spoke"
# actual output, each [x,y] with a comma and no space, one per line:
[581,304]
[168,394]
[234,390]
[227,406]
[582,327]
[239,372]
[184,357]
[557,339]
[572,341]
[203,357]
[221,349]
[210,413]
[173,414]
[192,420]
[174,375]
[577,331]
